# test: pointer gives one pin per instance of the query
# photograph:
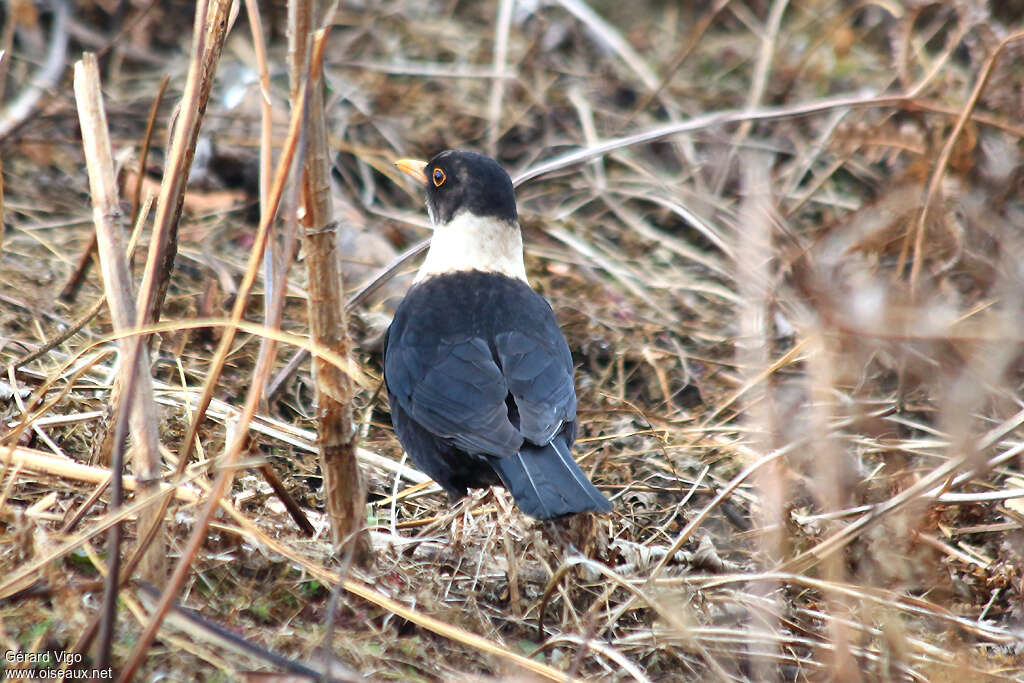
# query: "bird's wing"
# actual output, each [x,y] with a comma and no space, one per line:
[538,370]
[455,390]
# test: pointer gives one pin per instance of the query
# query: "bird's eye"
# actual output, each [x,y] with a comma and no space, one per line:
[439,177]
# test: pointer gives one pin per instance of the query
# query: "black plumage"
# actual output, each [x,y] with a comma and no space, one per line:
[473,183]
[479,376]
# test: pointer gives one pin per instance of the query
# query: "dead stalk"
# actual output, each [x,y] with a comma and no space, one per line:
[209,32]
[117,283]
[227,472]
[344,491]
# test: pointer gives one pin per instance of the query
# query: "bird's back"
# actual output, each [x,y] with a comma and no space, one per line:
[475,303]
[479,378]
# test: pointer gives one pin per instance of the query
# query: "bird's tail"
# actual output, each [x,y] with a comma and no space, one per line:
[547,483]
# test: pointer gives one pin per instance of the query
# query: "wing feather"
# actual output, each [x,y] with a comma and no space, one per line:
[459,347]
[538,371]
[461,397]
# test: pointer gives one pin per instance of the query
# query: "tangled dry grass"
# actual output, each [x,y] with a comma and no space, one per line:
[784,241]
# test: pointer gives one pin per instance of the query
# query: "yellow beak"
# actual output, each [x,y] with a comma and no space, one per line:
[413,167]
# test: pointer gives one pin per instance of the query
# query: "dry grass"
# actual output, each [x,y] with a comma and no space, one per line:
[783,239]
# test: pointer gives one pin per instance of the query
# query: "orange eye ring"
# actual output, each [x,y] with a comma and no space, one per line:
[439,177]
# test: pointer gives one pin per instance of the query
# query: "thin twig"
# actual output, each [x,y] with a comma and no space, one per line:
[703,122]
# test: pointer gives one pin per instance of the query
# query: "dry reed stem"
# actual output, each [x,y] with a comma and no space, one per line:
[147,141]
[6,41]
[226,475]
[266,111]
[753,345]
[275,265]
[31,460]
[3,229]
[344,490]
[118,289]
[208,33]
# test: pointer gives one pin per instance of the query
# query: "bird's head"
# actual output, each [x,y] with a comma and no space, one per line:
[472,208]
[458,180]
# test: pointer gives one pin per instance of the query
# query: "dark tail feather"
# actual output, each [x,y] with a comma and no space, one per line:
[547,483]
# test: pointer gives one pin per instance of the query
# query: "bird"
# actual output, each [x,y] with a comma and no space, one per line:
[478,373]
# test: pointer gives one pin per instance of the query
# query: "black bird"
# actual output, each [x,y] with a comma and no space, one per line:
[479,376]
